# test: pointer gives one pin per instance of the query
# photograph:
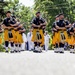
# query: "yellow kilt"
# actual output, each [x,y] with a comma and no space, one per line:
[34,37]
[74,40]
[0,40]
[71,40]
[55,38]
[58,38]
[18,37]
[66,36]
[6,35]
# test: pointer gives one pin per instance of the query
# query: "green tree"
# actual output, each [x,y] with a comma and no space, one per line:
[20,11]
[50,8]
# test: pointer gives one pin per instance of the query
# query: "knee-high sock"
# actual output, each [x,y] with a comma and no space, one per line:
[12,46]
[19,47]
[6,45]
[16,47]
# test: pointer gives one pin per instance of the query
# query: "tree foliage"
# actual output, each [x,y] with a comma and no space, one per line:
[51,8]
[20,11]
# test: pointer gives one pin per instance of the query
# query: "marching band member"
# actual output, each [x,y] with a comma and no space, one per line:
[19,30]
[9,32]
[55,42]
[1,31]
[21,33]
[71,40]
[38,36]
[62,36]
[68,25]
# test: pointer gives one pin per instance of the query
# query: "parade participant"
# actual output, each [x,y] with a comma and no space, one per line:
[47,40]
[21,33]
[19,29]
[68,25]
[61,26]
[30,43]
[55,42]
[9,31]
[71,40]
[1,31]
[38,36]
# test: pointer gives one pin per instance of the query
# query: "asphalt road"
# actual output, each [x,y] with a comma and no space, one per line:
[29,63]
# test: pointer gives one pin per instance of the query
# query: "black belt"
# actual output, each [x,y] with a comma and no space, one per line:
[9,29]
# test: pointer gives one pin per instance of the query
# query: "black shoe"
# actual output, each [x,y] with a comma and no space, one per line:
[15,51]
[36,51]
[11,51]
[71,52]
[40,51]
[56,52]
[6,51]
[61,52]
[22,50]
[19,51]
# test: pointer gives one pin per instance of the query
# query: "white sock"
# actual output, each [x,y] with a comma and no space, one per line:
[6,48]
[20,48]
[71,50]
[15,48]
[62,49]
[12,48]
